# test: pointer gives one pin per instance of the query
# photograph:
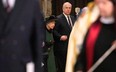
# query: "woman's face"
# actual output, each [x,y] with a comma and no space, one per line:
[105,7]
[51,24]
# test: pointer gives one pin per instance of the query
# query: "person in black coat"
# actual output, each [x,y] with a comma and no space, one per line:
[64,24]
[21,36]
[101,36]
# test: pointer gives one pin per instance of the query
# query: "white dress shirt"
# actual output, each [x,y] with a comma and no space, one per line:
[11,3]
[68,20]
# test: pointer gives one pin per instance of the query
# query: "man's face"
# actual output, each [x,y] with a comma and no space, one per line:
[67,8]
[105,7]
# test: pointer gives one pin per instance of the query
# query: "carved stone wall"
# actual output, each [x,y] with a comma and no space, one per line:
[55,6]
[46,7]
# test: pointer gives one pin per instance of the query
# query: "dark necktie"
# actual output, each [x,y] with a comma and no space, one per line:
[8,8]
[69,21]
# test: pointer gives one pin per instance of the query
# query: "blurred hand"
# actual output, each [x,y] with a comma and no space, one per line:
[63,38]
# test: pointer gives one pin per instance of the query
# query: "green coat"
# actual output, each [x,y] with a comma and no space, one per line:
[51,60]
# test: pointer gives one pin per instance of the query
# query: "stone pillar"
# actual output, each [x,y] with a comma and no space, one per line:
[46,7]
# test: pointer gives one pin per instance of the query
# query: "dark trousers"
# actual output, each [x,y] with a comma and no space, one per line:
[60,60]
[12,65]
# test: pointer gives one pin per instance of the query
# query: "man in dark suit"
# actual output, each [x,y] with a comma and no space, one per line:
[21,35]
[64,24]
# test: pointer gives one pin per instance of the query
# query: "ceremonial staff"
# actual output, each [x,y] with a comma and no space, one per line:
[103,57]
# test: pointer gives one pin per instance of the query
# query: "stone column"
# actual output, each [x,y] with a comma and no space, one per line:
[47,7]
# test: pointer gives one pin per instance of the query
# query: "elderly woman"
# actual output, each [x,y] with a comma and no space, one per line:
[48,48]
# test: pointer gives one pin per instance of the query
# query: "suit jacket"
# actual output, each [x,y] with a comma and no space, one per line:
[21,36]
[62,28]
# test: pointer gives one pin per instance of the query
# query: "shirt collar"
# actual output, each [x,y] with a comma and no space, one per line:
[107,20]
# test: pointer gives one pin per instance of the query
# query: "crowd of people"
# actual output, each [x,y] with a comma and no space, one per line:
[85,43]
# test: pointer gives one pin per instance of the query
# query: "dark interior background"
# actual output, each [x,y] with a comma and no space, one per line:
[57,5]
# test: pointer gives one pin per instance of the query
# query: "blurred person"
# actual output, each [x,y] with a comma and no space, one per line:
[48,48]
[78,33]
[98,38]
[21,36]
[84,10]
[64,24]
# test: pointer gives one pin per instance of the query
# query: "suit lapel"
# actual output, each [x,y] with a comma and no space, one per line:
[15,13]
[65,22]
[73,20]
